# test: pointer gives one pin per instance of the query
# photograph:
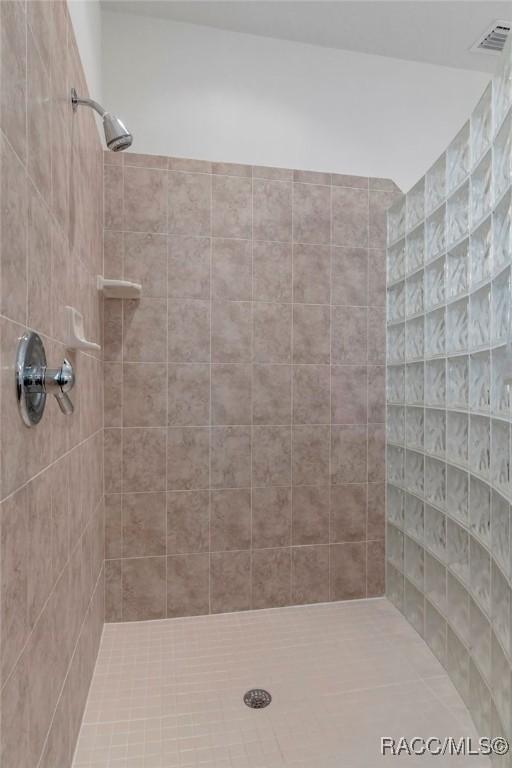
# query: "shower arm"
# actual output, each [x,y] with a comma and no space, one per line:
[76,100]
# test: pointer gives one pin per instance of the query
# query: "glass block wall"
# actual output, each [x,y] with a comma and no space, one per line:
[448,407]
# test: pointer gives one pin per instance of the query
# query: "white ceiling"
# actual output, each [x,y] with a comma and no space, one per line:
[437,32]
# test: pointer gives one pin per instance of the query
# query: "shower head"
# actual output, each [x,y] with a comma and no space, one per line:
[117,136]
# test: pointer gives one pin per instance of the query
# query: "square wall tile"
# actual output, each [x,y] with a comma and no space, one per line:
[232,207]
[310,514]
[272,271]
[271,517]
[350,216]
[230,519]
[188,585]
[348,571]
[272,210]
[311,213]
[143,588]
[145,200]
[230,581]
[310,574]
[311,334]
[311,274]
[271,570]
[188,521]
[189,203]
[144,524]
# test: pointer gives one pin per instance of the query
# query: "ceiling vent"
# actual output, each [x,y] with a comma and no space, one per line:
[493,39]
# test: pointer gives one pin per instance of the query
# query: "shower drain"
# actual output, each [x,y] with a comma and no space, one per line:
[257,698]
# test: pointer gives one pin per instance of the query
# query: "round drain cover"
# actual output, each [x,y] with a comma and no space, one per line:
[257,698]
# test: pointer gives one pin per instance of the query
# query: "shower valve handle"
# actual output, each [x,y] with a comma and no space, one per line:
[58,382]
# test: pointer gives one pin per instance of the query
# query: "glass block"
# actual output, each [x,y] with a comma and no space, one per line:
[435,632]
[395,465]
[414,428]
[480,509]
[500,531]
[414,479]
[435,481]
[500,607]
[414,517]
[414,562]
[500,392]
[395,586]
[435,284]
[435,581]
[458,607]
[435,432]
[500,307]
[480,382]
[502,88]
[457,550]
[480,574]
[480,634]
[416,248]
[457,326]
[414,383]
[480,253]
[457,493]
[396,343]
[435,235]
[457,438]
[457,215]
[501,225]
[395,383]
[396,302]
[395,546]
[416,204]
[481,125]
[500,680]
[396,261]
[480,445]
[435,333]
[480,702]
[457,158]
[435,184]
[480,318]
[500,456]
[414,339]
[497,726]
[435,382]
[457,395]
[396,220]
[457,270]
[481,190]
[502,170]
[414,294]
[395,505]
[414,607]
[395,424]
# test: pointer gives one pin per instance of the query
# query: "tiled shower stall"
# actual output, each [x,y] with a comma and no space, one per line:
[244,392]
[449,366]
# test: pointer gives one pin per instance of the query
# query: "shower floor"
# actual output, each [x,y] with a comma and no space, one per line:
[342,675]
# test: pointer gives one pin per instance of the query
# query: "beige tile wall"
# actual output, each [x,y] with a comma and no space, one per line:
[51,476]
[244,392]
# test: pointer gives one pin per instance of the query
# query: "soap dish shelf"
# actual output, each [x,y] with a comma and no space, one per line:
[119,289]
[75,336]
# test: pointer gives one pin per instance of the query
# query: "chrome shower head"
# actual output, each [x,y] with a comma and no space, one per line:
[117,136]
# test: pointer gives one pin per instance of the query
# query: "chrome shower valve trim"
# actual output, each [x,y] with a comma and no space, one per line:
[34,380]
